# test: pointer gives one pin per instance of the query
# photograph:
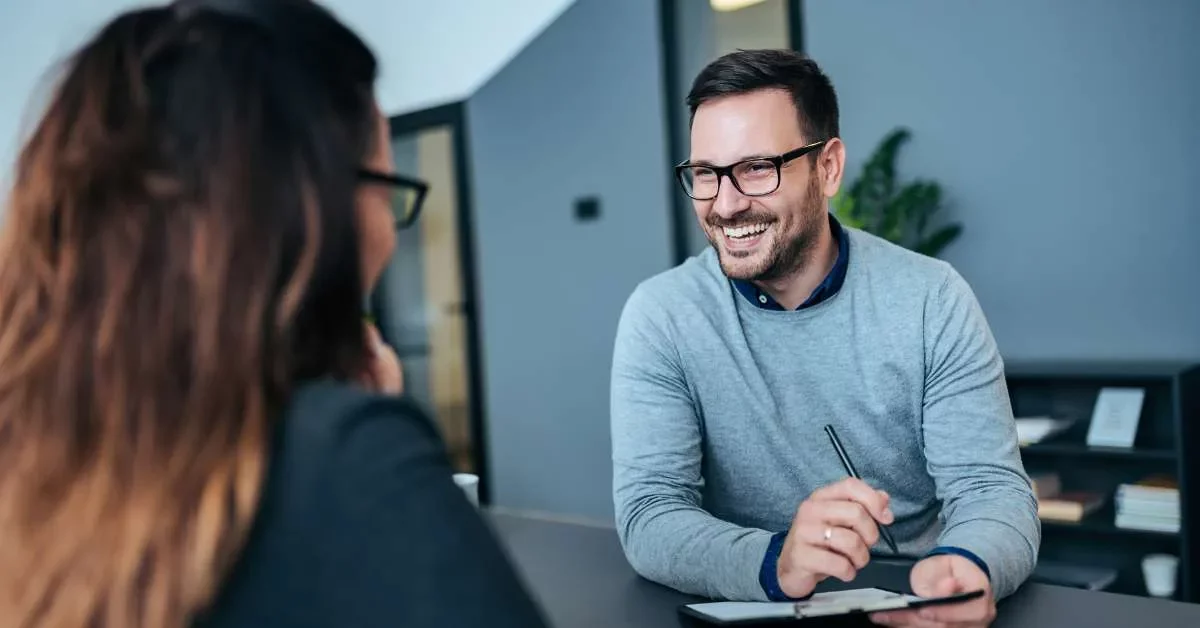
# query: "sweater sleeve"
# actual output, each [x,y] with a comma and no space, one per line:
[656,435]
[971,442]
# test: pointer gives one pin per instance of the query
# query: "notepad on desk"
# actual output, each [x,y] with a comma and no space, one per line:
[853,601]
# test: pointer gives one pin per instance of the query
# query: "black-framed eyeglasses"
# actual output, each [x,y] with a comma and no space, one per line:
[408,194]
[753,177]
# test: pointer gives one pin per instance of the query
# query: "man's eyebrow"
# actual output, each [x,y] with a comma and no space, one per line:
[709,164]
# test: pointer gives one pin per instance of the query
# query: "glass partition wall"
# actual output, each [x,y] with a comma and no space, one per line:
[424,301]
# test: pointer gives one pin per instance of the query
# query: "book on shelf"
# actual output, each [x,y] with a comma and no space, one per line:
[1147,508]
[1071,506]
[1129,521]
[1056,505]
[1152,504]
[1158,486]
[1046,484]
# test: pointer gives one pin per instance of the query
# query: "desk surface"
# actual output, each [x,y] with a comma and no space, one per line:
[582,580]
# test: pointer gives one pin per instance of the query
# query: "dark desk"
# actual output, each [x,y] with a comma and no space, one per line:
[581,578]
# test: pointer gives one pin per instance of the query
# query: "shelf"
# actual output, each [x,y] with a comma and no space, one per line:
[1168,427]
[1096,525]
[1101,522]
[1098,370]
[1081,450]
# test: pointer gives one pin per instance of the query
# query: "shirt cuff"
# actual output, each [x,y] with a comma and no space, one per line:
[768,574]
[951,550]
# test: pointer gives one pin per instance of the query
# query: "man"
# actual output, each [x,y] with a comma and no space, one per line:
[727,368]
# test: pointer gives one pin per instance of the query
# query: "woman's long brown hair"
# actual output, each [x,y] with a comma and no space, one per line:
[180,249]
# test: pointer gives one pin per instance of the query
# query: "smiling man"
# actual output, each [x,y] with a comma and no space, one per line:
[727,368]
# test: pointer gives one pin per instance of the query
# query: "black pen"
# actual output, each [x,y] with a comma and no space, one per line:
[841,452]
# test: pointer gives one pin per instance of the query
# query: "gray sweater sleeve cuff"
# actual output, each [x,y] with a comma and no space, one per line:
[1008,554]
[744,583]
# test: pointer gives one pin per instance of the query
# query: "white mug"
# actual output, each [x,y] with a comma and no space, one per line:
[469,483]
[1159,572]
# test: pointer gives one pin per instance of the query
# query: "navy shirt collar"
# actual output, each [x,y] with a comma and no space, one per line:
[829,286]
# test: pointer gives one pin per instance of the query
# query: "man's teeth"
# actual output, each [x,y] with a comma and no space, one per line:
[745,230]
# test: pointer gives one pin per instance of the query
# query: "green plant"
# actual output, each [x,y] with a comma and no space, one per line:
[875,203]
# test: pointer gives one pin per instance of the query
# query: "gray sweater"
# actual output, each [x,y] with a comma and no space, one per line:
[718,408]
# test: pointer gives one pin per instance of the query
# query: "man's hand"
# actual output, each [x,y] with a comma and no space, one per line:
[939,576]
[831,535]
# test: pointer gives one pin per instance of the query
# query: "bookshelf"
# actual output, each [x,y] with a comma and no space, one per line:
[1100,523]
[1073,450]
[1167,443]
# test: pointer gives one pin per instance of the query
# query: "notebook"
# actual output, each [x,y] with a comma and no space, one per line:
[853,601]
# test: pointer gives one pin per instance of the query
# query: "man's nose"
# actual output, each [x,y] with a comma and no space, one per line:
[729,202]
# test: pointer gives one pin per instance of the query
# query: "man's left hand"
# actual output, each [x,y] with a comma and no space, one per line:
[939,576]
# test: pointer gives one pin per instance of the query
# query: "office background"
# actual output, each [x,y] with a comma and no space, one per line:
[1066,135]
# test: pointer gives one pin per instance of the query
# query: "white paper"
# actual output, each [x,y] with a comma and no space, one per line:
[1036,429]
[1115,417]
[740,611]
[819,605]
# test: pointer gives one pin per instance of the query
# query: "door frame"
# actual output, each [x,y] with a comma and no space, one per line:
[795,20]
[454,117]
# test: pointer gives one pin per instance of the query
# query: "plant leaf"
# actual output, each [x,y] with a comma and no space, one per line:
[939,240]
[842,206]
[928,202]
[874,203]
[877,182]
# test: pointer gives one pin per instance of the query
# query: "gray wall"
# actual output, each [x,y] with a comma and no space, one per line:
[577,113]
[1068,137]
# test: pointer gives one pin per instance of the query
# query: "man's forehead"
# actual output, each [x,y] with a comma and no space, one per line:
[741,126]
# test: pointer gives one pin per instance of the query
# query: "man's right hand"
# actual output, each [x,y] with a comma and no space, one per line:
[831,535]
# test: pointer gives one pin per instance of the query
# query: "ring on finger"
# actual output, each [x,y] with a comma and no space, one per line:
[828,534]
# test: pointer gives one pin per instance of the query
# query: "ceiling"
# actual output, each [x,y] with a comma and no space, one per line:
[431,53]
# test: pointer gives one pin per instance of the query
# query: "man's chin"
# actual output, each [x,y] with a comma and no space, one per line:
[741,267]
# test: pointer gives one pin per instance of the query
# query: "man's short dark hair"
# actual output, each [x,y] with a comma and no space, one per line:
[747,71]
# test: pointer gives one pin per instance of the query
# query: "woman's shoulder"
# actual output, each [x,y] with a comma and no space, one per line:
[333,436]
[326,415]
[360,524]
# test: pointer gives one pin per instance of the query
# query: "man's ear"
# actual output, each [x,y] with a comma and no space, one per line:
[831,166]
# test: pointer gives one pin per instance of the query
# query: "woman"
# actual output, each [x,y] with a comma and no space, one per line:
[187,434]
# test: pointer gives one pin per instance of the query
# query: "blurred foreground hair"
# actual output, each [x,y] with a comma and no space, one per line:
[180,249]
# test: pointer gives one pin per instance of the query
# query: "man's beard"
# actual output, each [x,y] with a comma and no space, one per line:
[786,256]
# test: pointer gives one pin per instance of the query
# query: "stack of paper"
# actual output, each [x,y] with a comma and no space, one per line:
[1151,504]
[1036,429]
[827,604]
